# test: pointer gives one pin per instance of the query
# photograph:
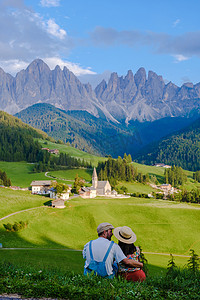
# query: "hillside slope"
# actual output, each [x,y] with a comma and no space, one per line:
[181,149]
[79,128]
[95,135]
[17,140]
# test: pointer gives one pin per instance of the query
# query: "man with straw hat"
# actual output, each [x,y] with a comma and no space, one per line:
[100,254]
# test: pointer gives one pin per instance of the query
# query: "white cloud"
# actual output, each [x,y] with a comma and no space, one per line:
[27,35]
[180,57]
[73,67]
[55,29]
[13,66]
[50,3]
[176,22]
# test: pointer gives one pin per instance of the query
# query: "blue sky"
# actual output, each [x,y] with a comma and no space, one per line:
[93,38]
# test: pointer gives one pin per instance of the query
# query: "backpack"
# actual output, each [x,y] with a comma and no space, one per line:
[99,268]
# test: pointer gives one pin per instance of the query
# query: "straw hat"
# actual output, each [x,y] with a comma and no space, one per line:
[125,234]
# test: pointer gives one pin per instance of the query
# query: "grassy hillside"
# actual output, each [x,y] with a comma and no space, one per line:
[74,152]
[17,140]
[181,149]
[20,173]
[7,120]
[161,226]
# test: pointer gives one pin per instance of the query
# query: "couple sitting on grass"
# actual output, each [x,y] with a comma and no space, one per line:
[107,259]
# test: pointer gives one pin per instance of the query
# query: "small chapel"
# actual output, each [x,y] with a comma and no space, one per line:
[102,188]
[98,188]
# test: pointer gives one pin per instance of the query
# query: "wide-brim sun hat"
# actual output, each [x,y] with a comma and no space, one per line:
[125,234]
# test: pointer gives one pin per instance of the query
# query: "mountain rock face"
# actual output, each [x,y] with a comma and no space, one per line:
[38,84]
[138,97]
[133,97]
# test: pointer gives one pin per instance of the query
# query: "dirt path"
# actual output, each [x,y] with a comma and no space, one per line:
[74,250]
[46,174]
[18,212]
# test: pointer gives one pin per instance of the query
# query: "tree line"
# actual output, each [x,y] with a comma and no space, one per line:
[59,162]
[192,196]
[175,176]
[18,144]
[120,169]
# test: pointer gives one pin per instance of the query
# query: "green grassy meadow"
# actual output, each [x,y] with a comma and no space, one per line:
[71,173]
[12,201]
[69,260]
[137,187]
[20,173]
[161,226]
[52,235]
[73,152]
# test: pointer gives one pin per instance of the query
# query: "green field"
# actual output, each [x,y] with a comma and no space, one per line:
[20,173]
[71,173]
[161,227]
[69,260]
[137,187]
[72,152]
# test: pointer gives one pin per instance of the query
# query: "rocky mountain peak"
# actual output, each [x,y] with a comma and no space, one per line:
[188,85]
[129,75]
[140,77]
[38,65]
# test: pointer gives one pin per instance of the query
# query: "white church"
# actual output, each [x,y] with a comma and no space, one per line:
[98,188]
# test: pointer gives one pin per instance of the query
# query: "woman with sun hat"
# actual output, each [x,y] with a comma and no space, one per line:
[126,238]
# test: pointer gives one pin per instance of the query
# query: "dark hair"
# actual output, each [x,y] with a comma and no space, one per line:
[127,248]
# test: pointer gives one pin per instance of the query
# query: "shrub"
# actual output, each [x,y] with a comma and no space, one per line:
[16,226]
[171,267]
[193,262]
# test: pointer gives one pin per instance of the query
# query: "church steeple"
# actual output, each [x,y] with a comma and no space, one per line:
[94,179]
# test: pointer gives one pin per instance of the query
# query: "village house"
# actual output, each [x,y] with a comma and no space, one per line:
[58,203]
[64,196]
[162,165]
[41,186]
[52,151]
[166,188]
[87,192]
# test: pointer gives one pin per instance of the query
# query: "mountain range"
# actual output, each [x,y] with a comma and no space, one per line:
[122,99]
[122,115]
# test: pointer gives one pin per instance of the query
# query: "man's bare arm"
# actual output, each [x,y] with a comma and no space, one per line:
[132,263]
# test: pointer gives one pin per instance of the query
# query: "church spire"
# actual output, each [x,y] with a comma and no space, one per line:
[94,179]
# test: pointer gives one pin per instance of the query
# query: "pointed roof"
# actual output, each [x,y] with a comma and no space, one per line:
[94,173]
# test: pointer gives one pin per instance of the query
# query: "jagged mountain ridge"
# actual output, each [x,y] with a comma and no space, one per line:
[142,98]
[38,84]
[133,97]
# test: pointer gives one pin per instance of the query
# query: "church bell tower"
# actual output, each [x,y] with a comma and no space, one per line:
[94,179]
